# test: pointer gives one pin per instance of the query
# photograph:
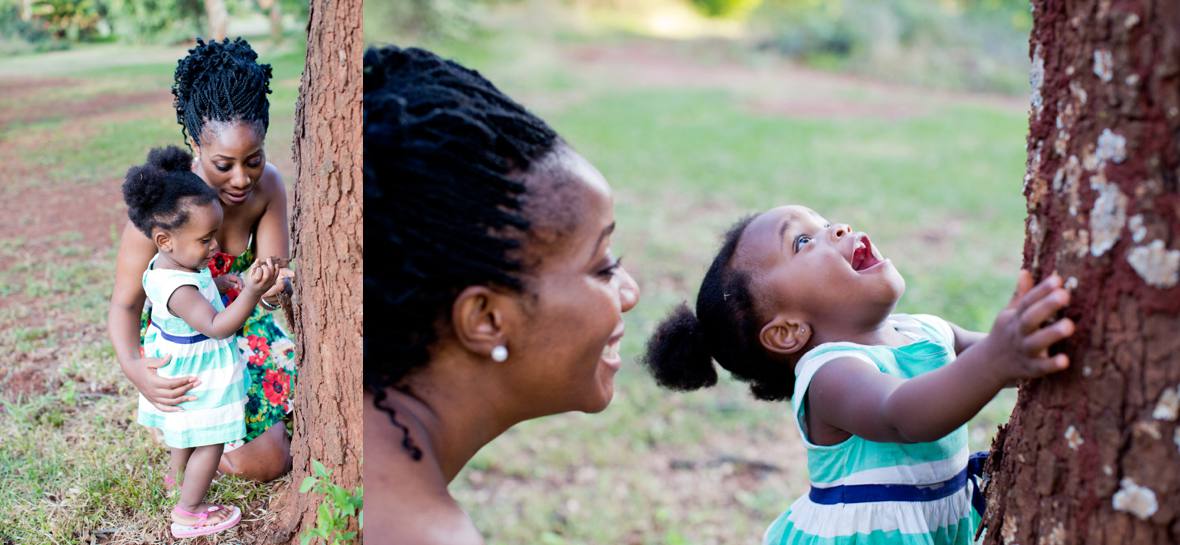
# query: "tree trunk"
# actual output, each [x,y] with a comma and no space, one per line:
[1092,455]
[327,235]
[217,17]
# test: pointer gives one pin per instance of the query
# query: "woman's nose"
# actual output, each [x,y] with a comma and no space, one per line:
[241,180]
[628,290]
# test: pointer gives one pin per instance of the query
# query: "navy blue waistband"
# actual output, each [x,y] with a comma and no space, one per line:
[178,339]
[864,493]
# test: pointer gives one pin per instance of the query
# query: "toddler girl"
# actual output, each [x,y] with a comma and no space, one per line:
[802,308]
[189,324]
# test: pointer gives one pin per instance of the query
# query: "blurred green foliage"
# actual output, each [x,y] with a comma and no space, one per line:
[69,19]
[39,25]
[973,44]
[155,20]
[18,35]
[725,8]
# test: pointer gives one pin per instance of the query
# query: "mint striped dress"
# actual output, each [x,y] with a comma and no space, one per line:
[865,492]
[217,415]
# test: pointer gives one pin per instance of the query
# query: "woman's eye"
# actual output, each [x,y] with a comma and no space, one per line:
[255,163]
[801,240]
[223,168]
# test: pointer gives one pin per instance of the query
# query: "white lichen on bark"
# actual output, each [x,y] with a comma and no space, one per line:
[1107,218]
[1104,65]
[1168,405]
[1155,264]
[1073,438]
[1111,147]
[1036,78]
[1138,230]
[1137,500]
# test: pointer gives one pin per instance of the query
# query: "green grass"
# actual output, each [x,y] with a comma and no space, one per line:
[939,191]
[75,467]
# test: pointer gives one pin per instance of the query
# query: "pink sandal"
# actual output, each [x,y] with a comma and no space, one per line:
[202,527]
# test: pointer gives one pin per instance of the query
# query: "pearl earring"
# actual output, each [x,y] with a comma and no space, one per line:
[500,353]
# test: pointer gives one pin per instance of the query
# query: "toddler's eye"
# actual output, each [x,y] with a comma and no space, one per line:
[800,241]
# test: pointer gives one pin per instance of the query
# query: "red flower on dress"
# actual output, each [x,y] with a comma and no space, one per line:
[260,347]
[276,385]
[220,263]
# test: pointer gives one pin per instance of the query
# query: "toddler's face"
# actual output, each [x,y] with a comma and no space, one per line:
[192,244]
[823,273]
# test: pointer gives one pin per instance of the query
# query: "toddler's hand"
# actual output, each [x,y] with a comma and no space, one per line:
[261,276]
[227,282]
[1019,340]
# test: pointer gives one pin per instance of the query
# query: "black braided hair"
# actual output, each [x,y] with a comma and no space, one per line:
[725,328]
[221,81]
[446,160]
[159,191]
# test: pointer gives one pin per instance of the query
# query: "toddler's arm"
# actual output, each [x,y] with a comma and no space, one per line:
[188,303]
[850,396]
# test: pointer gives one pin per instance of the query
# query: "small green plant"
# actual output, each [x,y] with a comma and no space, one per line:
[339,505]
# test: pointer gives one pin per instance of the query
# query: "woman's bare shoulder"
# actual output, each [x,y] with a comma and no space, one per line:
[419,519]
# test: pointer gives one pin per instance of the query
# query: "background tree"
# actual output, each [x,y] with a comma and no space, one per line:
[327,234]
[217,18]
[1091,455]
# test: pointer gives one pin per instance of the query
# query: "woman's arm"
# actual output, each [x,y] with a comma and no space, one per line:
[848,395]
[135,251]
[273,235]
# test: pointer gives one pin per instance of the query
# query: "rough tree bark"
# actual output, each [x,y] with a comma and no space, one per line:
[1093,455]
[327,235]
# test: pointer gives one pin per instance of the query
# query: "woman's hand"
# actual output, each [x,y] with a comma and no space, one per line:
[282,284]
[164,393]
[1020,337]
[227,282]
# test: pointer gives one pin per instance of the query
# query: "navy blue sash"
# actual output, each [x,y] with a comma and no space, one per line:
[194,339]
[864,493]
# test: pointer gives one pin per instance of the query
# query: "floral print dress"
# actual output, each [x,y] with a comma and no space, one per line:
[267,349]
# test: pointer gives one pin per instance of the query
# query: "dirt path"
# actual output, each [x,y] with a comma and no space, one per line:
[772,87]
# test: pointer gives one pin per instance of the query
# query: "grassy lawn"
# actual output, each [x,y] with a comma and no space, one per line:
[692,136]
[75,467]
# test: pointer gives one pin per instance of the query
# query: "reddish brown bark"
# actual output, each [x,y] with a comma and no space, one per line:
[1093,455]
[327,235]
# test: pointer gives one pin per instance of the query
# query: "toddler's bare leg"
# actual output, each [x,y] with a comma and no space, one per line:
[202,466]
[177,461]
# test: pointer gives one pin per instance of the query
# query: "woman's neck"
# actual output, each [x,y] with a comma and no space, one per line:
[449,420]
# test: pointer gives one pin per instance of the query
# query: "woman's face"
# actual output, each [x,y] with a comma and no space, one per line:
[231,159]
[567,352]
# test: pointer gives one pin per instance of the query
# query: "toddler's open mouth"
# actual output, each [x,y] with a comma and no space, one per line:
[864,255]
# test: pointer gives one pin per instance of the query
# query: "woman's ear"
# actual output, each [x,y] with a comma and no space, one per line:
[479,319]
[783,335]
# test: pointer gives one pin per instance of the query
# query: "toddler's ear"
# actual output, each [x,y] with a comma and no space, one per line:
[163,240]
[784,336]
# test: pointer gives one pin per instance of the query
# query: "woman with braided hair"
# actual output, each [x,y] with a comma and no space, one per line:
[220,93]
[497,298]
